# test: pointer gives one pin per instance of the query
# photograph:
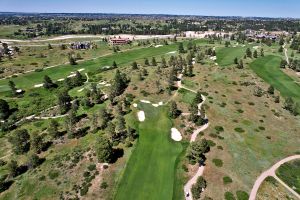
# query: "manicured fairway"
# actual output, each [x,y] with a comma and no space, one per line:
[225,56]
[150,172]
[268,69]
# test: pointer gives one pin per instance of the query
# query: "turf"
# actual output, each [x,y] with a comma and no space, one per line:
[268,69]
[226,55]
[150,172]
[290,174]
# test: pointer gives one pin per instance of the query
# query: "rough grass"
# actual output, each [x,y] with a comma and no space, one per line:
[150,171]
[290,174]
[225,56]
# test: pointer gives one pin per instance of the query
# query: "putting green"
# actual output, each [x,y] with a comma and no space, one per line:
[268,69]
[150,172]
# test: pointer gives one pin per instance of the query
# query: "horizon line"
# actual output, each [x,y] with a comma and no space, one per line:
[107,13]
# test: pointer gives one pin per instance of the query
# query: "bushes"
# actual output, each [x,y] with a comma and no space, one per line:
[53,174]
[242,195]
[227,180]
[91,167]
[198,187]
[229,196]
[239,130]
[218,162]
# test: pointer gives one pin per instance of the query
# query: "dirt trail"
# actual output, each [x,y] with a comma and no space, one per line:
[272,172]
[286,54]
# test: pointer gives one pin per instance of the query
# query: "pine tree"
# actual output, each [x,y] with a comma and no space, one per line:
[114,65]
[153,62]
[20,141]
[134,65]
[104,150]
[181,48]
[48,82]
[12,87]
[255,54]
[4,109]
[147,62]
[173,111]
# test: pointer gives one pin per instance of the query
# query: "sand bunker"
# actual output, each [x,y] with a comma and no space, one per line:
[72,75]
[158,46]
[141,116]
[176,135]
[135,105]
[38,85]
[145,101]
[213,58]
[61,79]
[155,105]
[171,52]
[80,70]
[80,90]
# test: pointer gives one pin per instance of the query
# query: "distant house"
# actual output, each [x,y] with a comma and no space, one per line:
[118,41]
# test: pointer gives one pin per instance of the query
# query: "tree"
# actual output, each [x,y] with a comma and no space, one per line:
[64,100]
[258,92]
[227,43]
[20,141]
[12,167]
[49,46]
[118,86]
[4,109]
[280,50]
[283,63]
[190,71]
[163,62]
[198,187]
[147,62]
[48,82]
[262,54]
[240,65]
[236,61]
[291,106]
[104,149]
[37,143]
[12,87]
[33,161]
[271,90]
[153,62]
[72,60]
[103,118]
[78,79]
[249,53]
[134,65]
[173,110]
[120,124]
[281,41]
[181,48]
[114,65]
[53,129]
[277,99]
[255,54]
[196,150]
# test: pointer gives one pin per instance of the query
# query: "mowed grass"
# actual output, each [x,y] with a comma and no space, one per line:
[150,172]
[226,55]
[290,174]
[268,69]
[122,59]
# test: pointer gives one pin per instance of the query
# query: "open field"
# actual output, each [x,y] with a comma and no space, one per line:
[150,171]
[226,55]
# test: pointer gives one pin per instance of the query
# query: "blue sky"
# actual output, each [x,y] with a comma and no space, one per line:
[265,8]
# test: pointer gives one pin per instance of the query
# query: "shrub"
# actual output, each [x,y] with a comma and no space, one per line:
[242,195]
[91,167]
[219,128]
[84,190]
[103,185]
[218,162]
[229,196]
[227,180]
[239,130]
[53,174]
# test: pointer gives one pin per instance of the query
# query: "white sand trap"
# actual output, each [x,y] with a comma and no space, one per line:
[298,73]
[106,67]
[107,85]
[141,116]
[72,75]
[155,105]
[193,62]
[80,90]
[161,103]
[102,83]
[171,52]
[61,79]
[38,85]
[80,70]
[213,58]
[176,135]
[255,47]
[145,101]
[135,105]
[158,46]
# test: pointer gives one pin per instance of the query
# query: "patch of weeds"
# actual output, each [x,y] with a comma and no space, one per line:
[53,174]
[242,195]
[239,130]
[229,196]
[240,111]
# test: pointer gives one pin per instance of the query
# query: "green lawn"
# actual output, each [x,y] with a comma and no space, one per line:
[290,174]
[268,69]
[226,55]
[150,172]
[122,59]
